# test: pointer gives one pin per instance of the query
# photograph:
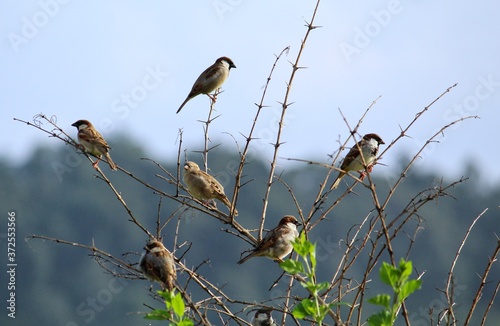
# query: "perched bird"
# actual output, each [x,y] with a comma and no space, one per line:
[157,264]
[203,186]
[93,142]
[263,318]
[369,145]
[211,79]
[277,243]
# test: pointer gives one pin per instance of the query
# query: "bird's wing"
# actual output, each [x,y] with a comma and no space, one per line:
[215,186]
[269,240]
[351,156]
[93,137]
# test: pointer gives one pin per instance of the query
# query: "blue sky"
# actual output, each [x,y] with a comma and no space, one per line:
[127,65]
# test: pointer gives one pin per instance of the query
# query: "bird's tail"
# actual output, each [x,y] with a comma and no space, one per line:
[226,202]
[182,105]
[112,164]
[244,259]
[337,181]
[168,285]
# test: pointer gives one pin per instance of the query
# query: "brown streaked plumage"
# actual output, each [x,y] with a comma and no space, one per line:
[93,142]
[277,244]
[369,145]
[209,80]
[157,264]
[203,186]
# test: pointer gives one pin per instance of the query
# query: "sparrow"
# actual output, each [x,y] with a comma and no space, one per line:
[277,243]
[157,264]
[203,186]
[209,80]
[369,145]
[93,143]
[263,318]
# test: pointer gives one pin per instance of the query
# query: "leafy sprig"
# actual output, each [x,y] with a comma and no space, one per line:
[306,270]
[173,312]
[398,279]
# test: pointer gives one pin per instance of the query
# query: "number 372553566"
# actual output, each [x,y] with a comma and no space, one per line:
[11,234]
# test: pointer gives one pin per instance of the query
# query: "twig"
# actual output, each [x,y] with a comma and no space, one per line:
[95,251]
[249,138]
[284,106]
[490,303]
[479,292]
[451,313]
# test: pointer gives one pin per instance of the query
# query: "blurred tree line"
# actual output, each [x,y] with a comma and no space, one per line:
[55,193]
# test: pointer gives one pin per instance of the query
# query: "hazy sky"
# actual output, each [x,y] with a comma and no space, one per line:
[127,66]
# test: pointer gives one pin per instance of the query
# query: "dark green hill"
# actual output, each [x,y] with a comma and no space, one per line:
[56,194]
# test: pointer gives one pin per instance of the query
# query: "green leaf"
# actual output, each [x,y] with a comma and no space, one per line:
[299,311]
[323,311]
[304,308]
[313,258]
[310,247]
[158,314]
[292,266]
[383,300]
[302,246]
[408,288]
[185,322]
[298,245]
[315,288]
[341,303]
[167,295]
[309,306]
[178,305]
[389,274]
[323,286]
[383,318]
[405,269]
